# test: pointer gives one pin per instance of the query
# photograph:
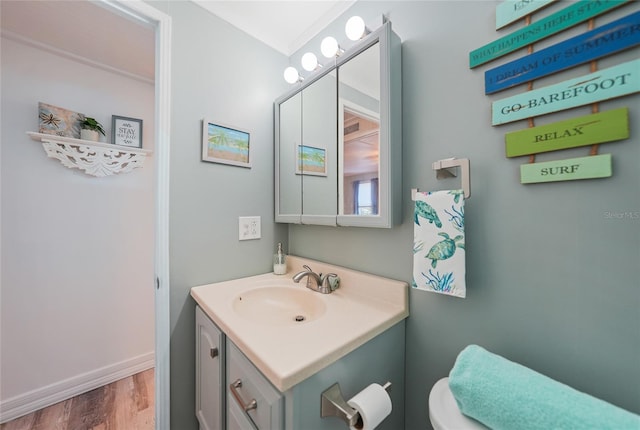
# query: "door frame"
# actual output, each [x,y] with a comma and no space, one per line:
[149,15]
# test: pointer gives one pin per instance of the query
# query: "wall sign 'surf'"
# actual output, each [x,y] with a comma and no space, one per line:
[512,10]
[585,130]
[608,39]
[616,81]
[595,166]
[565,18]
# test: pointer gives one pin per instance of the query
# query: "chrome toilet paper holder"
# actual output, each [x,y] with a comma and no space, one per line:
[334,405]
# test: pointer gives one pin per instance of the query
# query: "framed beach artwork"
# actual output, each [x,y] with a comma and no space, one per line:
[311,160]
[225,145]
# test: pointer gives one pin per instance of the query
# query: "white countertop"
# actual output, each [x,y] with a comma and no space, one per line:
[363,307]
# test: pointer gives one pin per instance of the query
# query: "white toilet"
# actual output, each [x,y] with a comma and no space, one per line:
[444,413]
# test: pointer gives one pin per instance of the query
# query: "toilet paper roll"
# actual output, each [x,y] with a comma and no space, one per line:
[374,405]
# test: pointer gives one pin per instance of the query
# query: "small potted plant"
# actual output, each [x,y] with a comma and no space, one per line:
[89,129]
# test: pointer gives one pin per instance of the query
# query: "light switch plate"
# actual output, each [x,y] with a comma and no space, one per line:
[248,227]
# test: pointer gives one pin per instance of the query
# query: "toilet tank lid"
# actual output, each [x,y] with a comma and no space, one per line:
[443,410]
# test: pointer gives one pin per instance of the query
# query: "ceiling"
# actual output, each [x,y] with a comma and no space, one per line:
[89,32]
[83,31]
[284,25]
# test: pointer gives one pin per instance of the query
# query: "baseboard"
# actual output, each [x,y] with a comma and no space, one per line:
[34,400]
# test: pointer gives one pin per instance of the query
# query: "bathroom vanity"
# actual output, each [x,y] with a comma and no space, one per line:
[266,347]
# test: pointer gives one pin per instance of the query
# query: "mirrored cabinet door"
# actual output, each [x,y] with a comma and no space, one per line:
[318,154]
[288,181]
[359,138]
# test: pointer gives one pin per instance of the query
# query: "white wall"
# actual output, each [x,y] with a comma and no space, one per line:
[77,251]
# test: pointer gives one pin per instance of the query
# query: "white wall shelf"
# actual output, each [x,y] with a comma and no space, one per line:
[94,158]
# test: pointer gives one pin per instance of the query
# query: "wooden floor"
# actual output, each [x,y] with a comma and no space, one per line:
[126,404]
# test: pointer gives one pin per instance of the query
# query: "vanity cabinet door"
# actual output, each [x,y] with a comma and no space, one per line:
[251,395]
[210,375]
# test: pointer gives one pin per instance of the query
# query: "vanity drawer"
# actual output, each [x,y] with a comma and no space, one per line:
[250,391]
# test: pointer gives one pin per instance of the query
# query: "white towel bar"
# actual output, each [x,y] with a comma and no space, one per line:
[444,169]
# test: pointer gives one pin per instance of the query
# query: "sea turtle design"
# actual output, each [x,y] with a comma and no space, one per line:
[444,249]
[425,210]
[456,195]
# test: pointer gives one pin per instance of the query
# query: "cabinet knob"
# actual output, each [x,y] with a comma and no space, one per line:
[234,390]
[214,352]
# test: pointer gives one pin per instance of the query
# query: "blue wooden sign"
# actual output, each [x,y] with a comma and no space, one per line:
[576,13]
[511,10]
[604,84]
[608,39]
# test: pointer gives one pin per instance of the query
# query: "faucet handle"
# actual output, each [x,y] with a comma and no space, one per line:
[333,280]
[307,267]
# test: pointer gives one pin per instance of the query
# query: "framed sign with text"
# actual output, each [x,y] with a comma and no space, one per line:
[126,131]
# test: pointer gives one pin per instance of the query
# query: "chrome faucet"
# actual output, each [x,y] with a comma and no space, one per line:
[316,282]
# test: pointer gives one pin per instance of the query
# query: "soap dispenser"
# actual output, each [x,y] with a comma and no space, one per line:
[279,261]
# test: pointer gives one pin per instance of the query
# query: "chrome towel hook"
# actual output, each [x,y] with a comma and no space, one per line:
[445,169]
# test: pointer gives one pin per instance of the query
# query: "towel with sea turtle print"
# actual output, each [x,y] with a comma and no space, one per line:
[438,242]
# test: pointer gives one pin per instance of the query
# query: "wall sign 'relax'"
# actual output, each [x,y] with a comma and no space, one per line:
[616,36]
[595,166]
[512,10]
[604,84]
[601,127]
[561,20]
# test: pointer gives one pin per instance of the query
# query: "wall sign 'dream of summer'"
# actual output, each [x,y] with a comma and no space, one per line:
[614,37]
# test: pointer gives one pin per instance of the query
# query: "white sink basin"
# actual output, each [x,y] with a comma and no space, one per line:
[279,305]
[258,315]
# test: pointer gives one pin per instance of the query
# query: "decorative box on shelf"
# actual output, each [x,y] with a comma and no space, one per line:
[94,158]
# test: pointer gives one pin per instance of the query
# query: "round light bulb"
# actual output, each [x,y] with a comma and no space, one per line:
[309,61]
[291,75]
[355,28]
[329,47]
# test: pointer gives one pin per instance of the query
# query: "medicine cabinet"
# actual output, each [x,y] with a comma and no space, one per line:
[338,140]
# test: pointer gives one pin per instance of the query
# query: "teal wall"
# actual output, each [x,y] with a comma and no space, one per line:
[226,76]
[552,275]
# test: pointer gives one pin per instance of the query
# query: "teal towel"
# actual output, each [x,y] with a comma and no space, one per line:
[504,395]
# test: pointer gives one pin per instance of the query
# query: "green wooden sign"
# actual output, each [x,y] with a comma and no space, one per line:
[585,130]
[512,10]
[604,84]
[595,166]
[574,14]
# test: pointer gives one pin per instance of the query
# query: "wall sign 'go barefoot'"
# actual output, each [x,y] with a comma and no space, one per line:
[605,84]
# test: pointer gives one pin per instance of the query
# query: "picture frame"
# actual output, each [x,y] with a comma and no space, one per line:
[59,121]
[311,160]
[126,131]
[225,145]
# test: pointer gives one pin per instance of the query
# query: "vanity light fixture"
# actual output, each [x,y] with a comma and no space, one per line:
[330,48]
[355,28]
[291,75]
[309,62]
